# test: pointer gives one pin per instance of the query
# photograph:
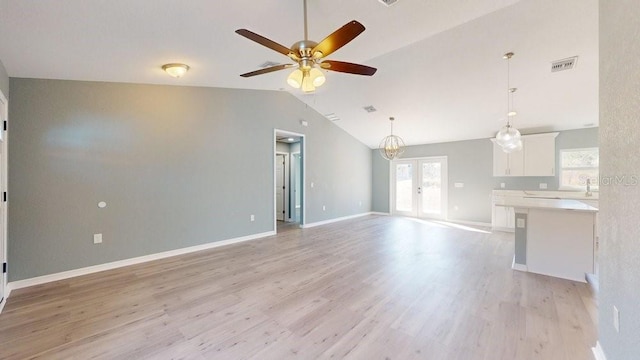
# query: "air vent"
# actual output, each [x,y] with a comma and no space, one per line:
[564,64]
[388,2]
[332,117]
[267,64]
[370,109]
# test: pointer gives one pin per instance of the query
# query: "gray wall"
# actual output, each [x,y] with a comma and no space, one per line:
[471,162]
[619,154]
[167,162]
[4,80]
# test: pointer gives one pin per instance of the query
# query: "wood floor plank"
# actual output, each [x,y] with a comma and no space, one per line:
[376,287]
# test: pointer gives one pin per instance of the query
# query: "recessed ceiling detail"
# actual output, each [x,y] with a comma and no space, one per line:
[370,109]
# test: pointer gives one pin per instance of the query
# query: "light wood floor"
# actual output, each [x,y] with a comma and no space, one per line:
[370,288]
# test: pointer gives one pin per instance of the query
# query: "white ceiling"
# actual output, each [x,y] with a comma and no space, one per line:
[440,67]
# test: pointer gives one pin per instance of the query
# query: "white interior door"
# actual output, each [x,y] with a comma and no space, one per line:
[3,204]
[280,187]
[419,187]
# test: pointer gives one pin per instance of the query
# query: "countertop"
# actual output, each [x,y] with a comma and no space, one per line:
[553,204]
[547,194]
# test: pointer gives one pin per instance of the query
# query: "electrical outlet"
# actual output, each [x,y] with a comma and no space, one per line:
[312,184]
[97,238]
[253,217]
[502,185]
[543,186]
[458,185]
[520,223]
[324,208]
[616,319]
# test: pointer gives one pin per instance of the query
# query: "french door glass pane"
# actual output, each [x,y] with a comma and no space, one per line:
[431,187]
[404,187]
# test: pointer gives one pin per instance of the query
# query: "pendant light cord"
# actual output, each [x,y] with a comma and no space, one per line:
[508,90]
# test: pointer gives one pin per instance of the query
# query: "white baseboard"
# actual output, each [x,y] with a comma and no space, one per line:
[592,279]
[325,222]
[497,228]
[472,223]
[380,213]
[598,352]
[519,267]
[121,263]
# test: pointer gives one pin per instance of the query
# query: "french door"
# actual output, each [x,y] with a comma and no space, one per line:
[419,187]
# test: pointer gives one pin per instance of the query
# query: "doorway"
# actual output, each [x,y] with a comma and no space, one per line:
[419,187]
[282,186]
[288,181]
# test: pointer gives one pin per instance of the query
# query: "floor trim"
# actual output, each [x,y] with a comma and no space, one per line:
[121,263]
[472,223]
[325,222]
[598,352]
[380,213]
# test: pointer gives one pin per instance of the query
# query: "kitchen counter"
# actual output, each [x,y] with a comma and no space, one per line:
[546,203]
[554,237]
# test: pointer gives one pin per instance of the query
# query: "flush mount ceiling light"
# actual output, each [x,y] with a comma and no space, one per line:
[392,146]
[176,70]
[508,137]
[308,56]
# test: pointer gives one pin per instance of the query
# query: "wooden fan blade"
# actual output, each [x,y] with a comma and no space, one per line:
[264,41]
[346,67]
[268,70]
[339,38]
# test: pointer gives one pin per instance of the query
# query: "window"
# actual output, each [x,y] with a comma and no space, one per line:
[577,166]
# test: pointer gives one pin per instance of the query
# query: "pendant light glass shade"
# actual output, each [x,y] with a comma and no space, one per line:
[508,137]
[392,146]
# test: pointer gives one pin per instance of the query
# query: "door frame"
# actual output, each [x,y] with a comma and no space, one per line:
[444,185]
[287,213]
[4,187]
[303,174]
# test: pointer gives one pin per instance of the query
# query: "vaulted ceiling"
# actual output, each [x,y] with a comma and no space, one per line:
[440,68]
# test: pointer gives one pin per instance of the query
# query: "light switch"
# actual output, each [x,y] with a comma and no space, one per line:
[520,223]
[543,186]
[97,238]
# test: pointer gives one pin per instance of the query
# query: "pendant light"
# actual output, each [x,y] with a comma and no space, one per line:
[508,137]
[392,146]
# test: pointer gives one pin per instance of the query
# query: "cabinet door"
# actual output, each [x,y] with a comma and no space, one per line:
[500,161]
[511,217]
[516,162]
[540,156]
[500,217]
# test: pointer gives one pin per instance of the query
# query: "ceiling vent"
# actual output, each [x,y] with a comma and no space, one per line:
[564,64]
[370,109]
[332,117]
[388,2]
[267,64]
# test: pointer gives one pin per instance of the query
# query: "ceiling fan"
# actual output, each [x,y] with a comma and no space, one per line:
[309,55]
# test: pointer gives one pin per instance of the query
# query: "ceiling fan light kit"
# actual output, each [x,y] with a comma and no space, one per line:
[508,137]
[308,56]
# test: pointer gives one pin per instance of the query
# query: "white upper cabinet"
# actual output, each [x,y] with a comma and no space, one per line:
[507,164]
[537,157]
[540,155]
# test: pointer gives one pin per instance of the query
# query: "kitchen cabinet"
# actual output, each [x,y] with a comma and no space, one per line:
[540,154]
[507,164]
[537,157]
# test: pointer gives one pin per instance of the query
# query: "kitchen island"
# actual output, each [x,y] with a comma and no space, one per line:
[554,237]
